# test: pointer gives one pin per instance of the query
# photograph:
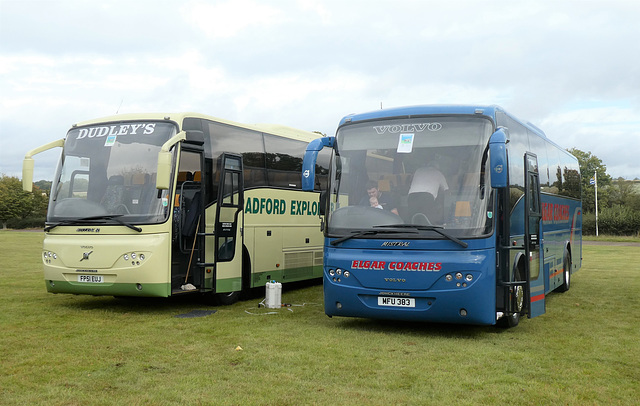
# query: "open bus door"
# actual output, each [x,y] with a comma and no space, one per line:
[188,222]
[534,292]
[228,229]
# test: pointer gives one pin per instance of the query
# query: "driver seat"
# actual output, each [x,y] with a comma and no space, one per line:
[114,194]
[424,208]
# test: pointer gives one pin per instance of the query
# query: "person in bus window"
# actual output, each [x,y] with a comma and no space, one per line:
[373,201]
[382,199]
[426,194]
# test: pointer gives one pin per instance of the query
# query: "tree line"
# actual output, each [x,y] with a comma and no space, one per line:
[618,200]
[20,209]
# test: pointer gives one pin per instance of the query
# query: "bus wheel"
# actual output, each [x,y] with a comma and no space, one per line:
[226,299]
[566,273]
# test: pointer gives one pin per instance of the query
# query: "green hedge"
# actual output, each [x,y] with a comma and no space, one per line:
[29,222]
[617,220]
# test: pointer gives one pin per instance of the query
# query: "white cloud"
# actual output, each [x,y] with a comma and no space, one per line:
[318,7]
[227,19]
[612,133]
[569,67]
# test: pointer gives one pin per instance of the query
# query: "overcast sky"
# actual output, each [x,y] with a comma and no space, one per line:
[570,67]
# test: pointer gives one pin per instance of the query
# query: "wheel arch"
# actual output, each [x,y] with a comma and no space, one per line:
[568,249]
[246,268]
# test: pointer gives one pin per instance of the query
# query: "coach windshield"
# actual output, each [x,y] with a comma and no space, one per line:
[108,171]
[426,171]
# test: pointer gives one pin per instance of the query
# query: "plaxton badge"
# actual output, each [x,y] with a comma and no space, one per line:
[87,230]
[394,294]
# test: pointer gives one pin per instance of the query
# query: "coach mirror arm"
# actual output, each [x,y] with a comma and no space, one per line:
[28,163]
[165,157]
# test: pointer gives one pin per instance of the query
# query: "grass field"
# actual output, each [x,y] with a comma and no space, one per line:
[612,238]
[82,350]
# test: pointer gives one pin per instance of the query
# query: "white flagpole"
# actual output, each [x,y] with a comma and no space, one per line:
[595,177]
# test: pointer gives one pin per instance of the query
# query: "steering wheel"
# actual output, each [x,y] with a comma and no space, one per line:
[420,218]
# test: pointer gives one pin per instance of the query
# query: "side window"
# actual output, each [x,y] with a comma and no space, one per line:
[518,145]
[539,147]
[532,172]
[534,205]
[226,138]
[231,182]
[284,161]
[555,169]
[189,168]
[570,176]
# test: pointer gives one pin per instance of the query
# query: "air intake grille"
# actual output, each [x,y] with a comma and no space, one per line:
[298,259]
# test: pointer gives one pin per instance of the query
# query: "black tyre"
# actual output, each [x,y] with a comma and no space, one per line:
[566,273]
[226,299]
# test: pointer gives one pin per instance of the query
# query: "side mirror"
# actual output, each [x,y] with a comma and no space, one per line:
[27,174]
[309,161]
[195,137]
[498,159]
[322,203]
[163,177]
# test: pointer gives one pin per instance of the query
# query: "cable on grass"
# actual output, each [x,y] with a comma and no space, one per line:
[287,305]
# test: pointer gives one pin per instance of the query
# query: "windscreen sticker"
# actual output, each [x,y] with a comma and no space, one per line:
[110,141]
[405,143]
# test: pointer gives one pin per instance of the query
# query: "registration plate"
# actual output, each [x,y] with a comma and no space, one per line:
[396,301]
[91,278]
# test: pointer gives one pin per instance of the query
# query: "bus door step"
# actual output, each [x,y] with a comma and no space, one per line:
[175,292]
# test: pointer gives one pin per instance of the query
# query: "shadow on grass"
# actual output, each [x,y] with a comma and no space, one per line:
[171,306]
[291,286]
[419,329]
[142,305]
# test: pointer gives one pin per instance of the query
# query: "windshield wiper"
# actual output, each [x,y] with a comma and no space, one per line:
[114,217]
[71,222]
[60,223]
[356,234]
[437,229]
